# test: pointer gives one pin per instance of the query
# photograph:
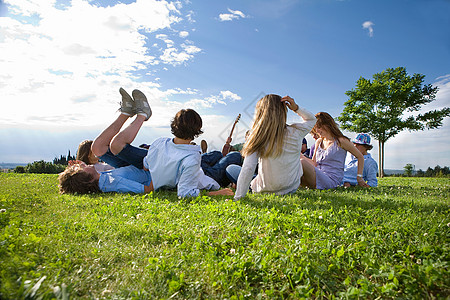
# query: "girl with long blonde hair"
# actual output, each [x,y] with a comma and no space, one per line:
[326,168]
[275,147]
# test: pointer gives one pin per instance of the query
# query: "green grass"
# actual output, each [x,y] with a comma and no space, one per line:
[388,242]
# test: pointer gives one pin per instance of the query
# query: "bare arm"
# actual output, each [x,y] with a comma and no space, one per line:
[348,146]
[222,192]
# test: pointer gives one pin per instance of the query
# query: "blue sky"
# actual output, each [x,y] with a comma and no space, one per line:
[63,62]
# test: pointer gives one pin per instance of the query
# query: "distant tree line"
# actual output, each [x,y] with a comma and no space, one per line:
[42,167]
[437,171]
[63,160]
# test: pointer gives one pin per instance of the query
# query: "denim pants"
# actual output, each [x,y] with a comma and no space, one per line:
[214,165]
[130,155]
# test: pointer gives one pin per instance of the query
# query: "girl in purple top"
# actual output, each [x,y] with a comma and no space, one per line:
[326,168]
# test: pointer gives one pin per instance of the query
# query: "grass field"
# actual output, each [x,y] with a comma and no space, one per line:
[389,242]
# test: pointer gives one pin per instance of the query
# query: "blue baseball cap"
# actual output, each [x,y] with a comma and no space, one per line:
[362,139]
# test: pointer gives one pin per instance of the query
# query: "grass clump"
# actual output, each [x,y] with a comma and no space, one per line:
[388,242]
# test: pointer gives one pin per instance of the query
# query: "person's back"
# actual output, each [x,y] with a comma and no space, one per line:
[281,174]
[275,147]
[174,162]
[169,164]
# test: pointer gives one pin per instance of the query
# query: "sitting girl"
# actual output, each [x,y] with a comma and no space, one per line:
[275,147]
[326,168]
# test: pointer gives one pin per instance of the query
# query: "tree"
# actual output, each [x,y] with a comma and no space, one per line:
[408,169]
[63,160]
[378,107]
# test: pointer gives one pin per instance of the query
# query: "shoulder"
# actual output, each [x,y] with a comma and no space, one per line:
[159,142]
[344,142]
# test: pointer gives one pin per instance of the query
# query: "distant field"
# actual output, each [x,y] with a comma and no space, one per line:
[388,242]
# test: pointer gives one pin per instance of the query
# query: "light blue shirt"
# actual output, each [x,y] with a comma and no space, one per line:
[369,172]
[177,165]
[127,179]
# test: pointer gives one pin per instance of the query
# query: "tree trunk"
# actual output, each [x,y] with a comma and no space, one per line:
[380,159]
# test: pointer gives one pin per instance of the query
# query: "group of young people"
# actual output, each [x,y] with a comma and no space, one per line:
[271,160]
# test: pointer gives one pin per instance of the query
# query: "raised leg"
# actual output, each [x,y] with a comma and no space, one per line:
[127,135]
[101,143]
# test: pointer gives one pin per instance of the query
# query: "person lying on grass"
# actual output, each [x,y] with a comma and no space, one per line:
[168,163]
[85,154]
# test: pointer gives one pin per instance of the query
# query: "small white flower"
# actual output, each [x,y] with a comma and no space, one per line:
[138,216]
[2,210]
[125,215]
[341,229]
[320,217]
[419,261]
[306,224]
[232,251]
[425,234]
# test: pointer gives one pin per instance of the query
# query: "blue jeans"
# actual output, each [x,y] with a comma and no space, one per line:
[130,155]
[233,172]
[214,165]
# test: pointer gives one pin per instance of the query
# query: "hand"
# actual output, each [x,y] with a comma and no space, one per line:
[290,103]
[77,162]
[347,184]
[223,192]
[361,182]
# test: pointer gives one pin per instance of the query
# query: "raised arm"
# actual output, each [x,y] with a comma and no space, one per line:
[309,120]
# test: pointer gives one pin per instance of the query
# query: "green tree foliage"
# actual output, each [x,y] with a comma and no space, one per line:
[19,169]
[44,167]
[63,160]
[436,172]
[384,106]
[408,169]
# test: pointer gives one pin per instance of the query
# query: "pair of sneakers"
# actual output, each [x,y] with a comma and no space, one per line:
[136,105]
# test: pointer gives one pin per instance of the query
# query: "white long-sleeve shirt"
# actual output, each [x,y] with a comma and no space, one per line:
[281,174]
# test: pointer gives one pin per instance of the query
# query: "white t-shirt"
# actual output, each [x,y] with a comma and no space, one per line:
[281,174]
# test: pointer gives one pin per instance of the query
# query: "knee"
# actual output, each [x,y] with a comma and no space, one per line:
[116,145]
[97,149]
[234,158]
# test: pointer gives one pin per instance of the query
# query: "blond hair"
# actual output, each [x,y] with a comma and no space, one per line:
[269,126]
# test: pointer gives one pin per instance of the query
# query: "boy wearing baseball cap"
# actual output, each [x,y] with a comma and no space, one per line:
[362,143]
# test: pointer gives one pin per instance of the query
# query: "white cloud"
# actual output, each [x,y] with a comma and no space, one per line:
[369,26]
[222,98]
[183,34]
[234,14]
[66,65]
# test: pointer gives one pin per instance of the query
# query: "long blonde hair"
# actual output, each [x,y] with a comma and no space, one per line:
[269,126]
